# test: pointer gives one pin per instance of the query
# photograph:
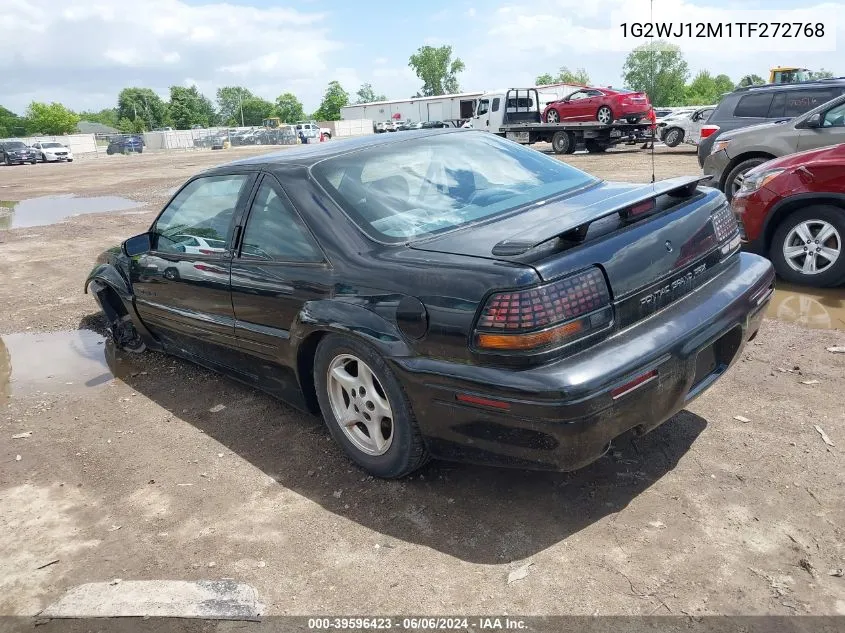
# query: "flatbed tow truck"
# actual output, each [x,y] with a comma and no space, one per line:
[515,114]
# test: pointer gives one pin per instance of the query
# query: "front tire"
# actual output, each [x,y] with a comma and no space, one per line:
[552,116]
[807,247]
[126,337]
[737,175]
[673,137]
[604,115]
[366,409]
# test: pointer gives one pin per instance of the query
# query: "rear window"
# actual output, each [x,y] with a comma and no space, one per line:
[426,186]
[797,103]
[754,106]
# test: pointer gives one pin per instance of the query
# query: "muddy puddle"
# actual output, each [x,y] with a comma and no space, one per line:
[53,362]
[815,308]
[55,209]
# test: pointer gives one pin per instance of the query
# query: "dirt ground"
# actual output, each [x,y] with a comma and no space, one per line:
[135,478]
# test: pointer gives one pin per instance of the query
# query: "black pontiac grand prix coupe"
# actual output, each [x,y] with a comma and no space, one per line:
[444,293]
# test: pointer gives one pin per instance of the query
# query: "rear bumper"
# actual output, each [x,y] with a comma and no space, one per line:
[562,416]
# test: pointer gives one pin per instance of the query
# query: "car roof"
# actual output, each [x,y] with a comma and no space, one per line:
[310,154]
[815,83]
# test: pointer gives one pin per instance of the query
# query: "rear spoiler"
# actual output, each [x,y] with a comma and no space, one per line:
[575,223]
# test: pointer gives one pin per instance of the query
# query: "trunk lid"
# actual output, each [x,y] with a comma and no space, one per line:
[559,237]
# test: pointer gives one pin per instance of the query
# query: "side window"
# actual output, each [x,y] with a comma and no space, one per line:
[483,106]
[204,208]
[274,231]
[754,106]
[799,102]
[495,106]
[835,117]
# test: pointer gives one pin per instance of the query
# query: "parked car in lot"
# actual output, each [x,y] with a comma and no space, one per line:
[52,151]
[764,104]
[17,153]
[683,127]
[196,244]
[446,293]
[125,144]
[736,153]
[792,209]
[598,104]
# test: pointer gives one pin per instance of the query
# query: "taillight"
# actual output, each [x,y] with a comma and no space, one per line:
[727,229]
[545,316]
[638,210]
[708,130]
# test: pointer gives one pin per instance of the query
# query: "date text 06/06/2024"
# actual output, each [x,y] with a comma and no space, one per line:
[424,623]
[806,30]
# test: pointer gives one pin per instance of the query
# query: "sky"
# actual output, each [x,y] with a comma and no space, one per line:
[83,52]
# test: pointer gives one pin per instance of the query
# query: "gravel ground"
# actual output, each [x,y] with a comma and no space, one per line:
[134,477]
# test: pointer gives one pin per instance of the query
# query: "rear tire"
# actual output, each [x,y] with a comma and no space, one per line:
[563,142]
[604,115]
[634,119]
[811,221]
[734,180]
[338,363]
[673,137]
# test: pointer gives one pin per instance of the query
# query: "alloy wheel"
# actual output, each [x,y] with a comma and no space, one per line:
[552,116]
[604,115]
[812,247]
[360,404]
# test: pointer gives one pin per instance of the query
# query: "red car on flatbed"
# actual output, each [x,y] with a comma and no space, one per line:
[792,209]
[604,105]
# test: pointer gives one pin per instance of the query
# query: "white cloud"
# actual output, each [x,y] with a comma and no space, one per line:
[101,46]
[513,43]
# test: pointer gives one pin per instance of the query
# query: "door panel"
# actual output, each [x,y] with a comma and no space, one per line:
[832,131]
[184,297]
[278,268]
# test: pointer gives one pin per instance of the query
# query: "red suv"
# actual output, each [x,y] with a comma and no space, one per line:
[793,210]
[599,104]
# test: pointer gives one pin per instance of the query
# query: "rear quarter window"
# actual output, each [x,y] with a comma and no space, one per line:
[754,106]
[799,102]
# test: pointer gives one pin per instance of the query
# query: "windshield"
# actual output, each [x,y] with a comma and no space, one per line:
[428,185]
[15,145]
[51,145]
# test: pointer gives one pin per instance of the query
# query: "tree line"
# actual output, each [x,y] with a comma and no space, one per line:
[658,69]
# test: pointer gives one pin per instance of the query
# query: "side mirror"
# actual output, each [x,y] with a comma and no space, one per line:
[814,121]
[137,245]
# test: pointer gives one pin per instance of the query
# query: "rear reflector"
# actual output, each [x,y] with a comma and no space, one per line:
[636,383]
[708,130]
[484,402]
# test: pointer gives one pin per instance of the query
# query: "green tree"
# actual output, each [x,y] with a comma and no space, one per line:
[288,108]
[11,124]
[142,104]
[658,69]
[229,100]
[437,70]
[821,73]
[334,99]
[366,94]
[564,76]
[190,107]
[750,80]
[706,89]
[53,118]
[106,116]
[255,110]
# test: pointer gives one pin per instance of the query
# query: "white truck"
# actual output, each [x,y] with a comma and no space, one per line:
[515,114]
[683,127]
